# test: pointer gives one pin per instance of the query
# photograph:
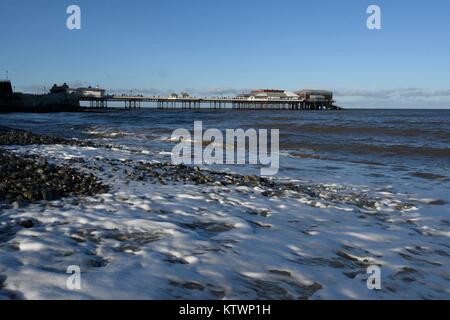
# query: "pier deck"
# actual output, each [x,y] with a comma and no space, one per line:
[134,102]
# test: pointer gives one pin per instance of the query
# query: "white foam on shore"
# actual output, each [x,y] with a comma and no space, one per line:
[151,241]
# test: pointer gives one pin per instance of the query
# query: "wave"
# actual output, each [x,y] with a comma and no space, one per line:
[355,130]
[364,149]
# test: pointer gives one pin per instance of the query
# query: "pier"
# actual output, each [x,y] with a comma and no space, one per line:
[64,98]
[192,103]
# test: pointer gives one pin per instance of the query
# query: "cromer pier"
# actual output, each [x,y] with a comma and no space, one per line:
[134,102]
[64,98]
[257,99]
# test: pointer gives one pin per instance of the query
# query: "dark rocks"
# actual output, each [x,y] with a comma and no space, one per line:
[140,238]
[262,212]
[193,286]
[18,137]
[166,173]
[213,227]
[10,137]
[26,180]
[97,262]
[30,179]
[27,224]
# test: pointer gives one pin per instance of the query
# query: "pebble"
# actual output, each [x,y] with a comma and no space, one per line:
[26,179]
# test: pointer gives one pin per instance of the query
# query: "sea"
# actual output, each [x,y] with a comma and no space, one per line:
[383,201]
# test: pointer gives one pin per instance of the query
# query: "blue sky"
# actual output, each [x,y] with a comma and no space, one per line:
[226,46]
